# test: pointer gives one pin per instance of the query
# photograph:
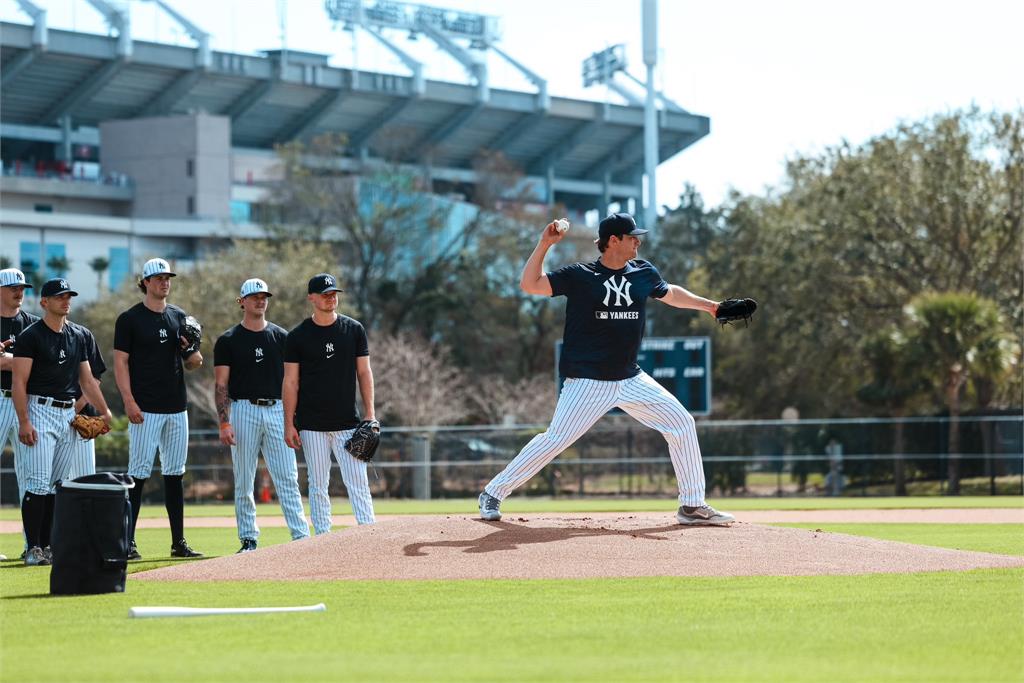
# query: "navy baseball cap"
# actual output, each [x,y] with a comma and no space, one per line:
[55,287]
[323,283]
[618,224]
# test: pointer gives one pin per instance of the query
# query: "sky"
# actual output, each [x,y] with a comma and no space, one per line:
[777,79]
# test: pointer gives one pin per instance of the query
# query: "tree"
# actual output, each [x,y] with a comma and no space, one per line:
[58,265]
[99,266]
[952,334]
[397,236]
[415,382]
[853,234]
[896,381]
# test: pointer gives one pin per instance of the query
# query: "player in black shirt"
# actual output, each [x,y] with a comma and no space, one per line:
[324,356]
[50,365]
[248,366]
[604,324]
[12,321]
[149,368]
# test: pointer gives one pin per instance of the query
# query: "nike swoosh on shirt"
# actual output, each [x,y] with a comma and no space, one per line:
[162,341]
[61,362]
[330,355]
[259,360]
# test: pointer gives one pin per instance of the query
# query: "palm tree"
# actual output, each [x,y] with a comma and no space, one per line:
[99,266]
[58,265]
[896,380]
[951,332]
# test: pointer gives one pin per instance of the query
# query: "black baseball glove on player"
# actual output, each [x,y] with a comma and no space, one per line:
[734,310]
[192,332]
[364,441]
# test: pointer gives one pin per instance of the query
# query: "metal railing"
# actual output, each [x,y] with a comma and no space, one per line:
[619,457]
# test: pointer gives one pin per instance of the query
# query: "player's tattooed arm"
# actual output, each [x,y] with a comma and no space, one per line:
[221,373]
[222,403]
[220,392]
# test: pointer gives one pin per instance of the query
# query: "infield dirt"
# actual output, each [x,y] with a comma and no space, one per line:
[551,546]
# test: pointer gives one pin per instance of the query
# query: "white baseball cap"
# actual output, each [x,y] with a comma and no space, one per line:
[12,277]
[254,286]
[156,266]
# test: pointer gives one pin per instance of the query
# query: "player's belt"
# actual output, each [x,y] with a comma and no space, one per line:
[264,401]
[54,402]
[6,393]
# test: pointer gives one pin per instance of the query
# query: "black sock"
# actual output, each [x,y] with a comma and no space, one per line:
[135,497]
[44,530]
[174,501]
[33,510]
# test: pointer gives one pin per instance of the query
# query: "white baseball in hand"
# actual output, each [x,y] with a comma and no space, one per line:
[562,225]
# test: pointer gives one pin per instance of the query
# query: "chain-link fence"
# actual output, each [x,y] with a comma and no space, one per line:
[619,457]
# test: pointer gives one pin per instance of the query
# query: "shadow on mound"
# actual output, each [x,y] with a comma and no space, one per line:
[558,547]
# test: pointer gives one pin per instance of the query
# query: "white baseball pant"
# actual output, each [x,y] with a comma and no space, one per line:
[9,432]
[163,432]
[317,448]
[50,458]
[83,459]
[583,402]
[261,428]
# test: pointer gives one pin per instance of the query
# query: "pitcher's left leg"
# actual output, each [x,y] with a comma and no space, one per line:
[655,407]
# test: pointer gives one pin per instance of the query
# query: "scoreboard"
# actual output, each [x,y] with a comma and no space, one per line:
[680,364]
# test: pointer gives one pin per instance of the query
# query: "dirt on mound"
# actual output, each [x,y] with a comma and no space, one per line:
[572,546]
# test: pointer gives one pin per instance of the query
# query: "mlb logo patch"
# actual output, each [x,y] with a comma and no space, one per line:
[601,315]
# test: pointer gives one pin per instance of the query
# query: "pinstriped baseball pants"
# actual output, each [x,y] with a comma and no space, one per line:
[583,402]
[83,457]
[50,459]
[261,428]
[163,432]
[81,461]
[9,432]
[317,448]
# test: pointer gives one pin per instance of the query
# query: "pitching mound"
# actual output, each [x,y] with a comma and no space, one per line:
[556,546]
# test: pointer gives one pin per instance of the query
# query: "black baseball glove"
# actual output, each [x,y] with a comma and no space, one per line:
[192,332]
[734,310]
[364,441]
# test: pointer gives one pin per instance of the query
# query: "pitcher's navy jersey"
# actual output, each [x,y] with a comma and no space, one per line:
[605,314]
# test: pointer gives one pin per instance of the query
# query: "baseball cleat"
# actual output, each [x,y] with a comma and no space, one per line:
[48,554]
[133,552]
[248,545]
[182,549]
[490,507]
[35,557]
[703,515]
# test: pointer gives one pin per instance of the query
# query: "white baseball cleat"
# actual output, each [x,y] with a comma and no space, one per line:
[703,515]
[490,507]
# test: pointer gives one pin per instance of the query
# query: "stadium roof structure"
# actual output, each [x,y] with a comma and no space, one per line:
[63,78]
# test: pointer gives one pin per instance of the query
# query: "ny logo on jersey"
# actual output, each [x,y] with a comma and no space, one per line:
[621,290]
[62,354]
[259,352]
[163,333]
[330,347]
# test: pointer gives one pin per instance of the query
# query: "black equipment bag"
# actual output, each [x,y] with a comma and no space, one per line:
[91,527]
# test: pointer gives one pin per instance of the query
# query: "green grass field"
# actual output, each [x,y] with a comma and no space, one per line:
[944,626]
